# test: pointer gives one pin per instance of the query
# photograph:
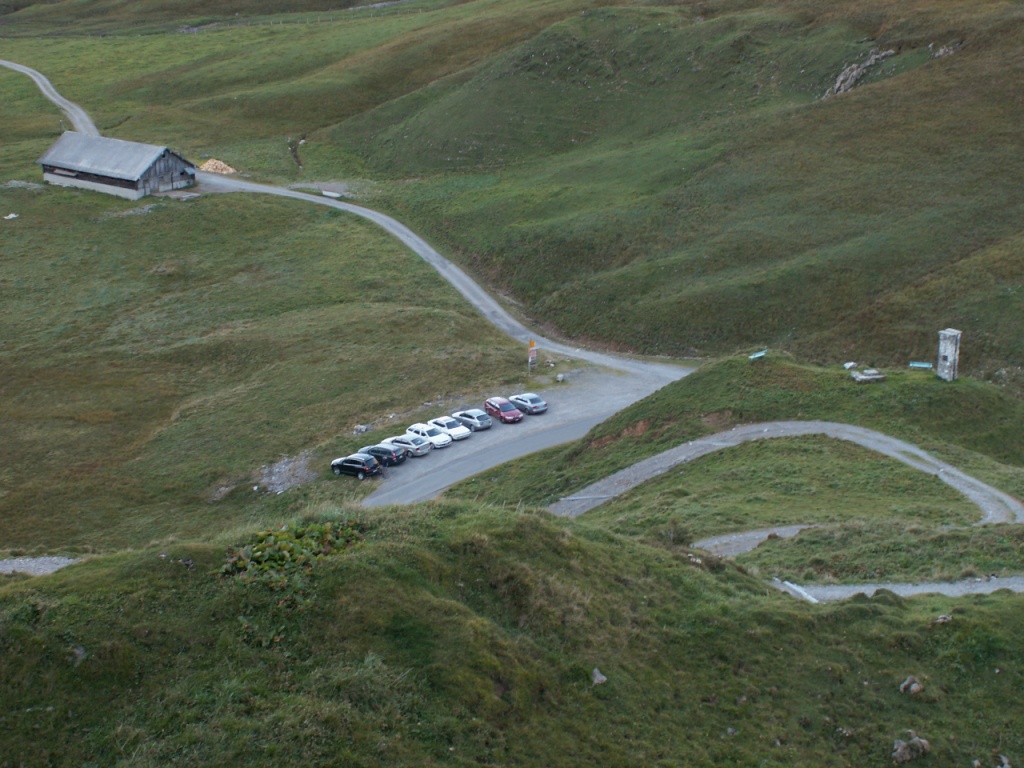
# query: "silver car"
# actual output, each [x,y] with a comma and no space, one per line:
[474,418]
[530,403]
[413,444]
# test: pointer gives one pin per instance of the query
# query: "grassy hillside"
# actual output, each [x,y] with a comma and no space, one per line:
[659,177]
[662,177]
[674,185]
[462,637]
[881,519]
[157,354]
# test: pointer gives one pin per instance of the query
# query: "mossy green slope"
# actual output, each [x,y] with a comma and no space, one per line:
[464,637]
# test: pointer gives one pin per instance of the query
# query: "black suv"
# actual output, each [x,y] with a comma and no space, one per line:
[388,455]
[359,465]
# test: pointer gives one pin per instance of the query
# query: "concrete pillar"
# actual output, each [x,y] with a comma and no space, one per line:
[949,354]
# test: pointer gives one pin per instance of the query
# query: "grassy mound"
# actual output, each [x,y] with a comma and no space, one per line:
[456,636]
[972,423]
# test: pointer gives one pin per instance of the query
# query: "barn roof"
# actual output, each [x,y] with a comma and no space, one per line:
[101,156]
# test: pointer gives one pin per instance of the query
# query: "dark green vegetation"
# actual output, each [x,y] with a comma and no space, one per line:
[656,176]
[457,636]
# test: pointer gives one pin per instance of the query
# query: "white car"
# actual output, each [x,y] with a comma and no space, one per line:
[413,445]
[451,427]
[429,432]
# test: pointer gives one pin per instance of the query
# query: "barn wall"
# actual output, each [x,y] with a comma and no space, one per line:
[67,181]
[166,174]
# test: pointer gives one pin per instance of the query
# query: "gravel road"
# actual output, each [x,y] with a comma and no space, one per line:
[587,399]
[78,117]
[995,505]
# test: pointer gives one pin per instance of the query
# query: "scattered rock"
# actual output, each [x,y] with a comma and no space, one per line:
[1002,762]
[10,216]
[849,77]
[76,655]
[286,473]
[905,751]
[945,50]
[911,686]
[361,429]
[943,619]
[597,677]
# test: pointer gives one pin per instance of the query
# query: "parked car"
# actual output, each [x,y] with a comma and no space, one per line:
[474,418]
[413,445]
[501,409]
[387,454]
[530,403]
[451,427]
[360,465]
[429,432]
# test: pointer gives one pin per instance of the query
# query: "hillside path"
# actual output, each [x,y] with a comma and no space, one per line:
[588,397]
[79,117]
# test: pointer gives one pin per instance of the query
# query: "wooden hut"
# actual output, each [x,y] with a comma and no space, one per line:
[123,168]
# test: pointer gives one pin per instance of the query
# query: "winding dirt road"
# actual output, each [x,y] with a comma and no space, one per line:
[601,396]
[995,505]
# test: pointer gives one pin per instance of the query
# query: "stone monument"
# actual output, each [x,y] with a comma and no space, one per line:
[949,354]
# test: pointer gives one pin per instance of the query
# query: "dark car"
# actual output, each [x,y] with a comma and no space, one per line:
[387,454]
[360,465]
[502,410]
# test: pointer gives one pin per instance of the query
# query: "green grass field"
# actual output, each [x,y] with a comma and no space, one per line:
[648,176]
[459,636]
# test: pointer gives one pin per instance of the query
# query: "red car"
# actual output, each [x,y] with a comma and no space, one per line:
[502,409]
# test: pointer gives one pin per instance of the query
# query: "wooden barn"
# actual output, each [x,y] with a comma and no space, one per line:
[123,168]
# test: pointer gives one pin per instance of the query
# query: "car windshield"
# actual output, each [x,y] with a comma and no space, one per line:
[417,440]
[433,432]
[507,407]
[477,414]
[533,399]
[448,423]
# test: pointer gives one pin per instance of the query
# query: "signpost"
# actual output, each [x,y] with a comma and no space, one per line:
[531,359]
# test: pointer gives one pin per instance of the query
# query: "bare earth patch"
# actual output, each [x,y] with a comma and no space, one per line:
[286,473]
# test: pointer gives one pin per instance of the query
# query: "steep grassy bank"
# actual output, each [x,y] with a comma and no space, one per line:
[670,185]
[463,637]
